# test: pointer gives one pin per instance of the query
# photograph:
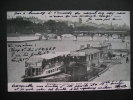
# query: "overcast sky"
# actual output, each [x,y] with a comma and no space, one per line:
[86,15]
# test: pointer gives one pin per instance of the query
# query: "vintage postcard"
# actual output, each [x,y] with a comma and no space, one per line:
[68,50]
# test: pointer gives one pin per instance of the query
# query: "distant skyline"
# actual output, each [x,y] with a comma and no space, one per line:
[89,16]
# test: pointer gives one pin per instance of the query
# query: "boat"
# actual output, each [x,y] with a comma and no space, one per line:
[22,38]
[41,66]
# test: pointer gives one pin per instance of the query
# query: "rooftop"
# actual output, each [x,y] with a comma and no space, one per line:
[47,56]
[89,51]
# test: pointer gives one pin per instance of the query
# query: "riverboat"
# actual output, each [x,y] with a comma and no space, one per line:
[45,65]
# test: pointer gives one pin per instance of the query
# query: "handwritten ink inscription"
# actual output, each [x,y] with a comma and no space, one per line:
[22,52]
[76,86]
[90,15]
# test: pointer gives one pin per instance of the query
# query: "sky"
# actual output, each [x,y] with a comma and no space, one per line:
[98,17]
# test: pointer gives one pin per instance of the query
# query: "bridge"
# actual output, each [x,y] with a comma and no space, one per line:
[108,33]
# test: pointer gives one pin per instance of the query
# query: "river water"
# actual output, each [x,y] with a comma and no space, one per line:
[17,69]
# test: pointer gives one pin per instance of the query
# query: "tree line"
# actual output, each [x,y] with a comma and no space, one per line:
[19,25]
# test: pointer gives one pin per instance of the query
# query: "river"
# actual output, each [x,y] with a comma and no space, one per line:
[17,69]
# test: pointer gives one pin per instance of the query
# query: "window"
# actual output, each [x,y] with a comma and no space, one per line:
[49,71]
[36,71]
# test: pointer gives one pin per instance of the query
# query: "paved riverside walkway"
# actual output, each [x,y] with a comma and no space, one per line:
[116,72]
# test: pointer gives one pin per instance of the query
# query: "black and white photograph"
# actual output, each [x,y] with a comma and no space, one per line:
[68,50]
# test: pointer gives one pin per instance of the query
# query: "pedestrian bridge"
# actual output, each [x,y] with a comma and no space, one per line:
[104,32]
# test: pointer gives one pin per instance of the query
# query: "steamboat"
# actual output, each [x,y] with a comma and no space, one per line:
[45,65]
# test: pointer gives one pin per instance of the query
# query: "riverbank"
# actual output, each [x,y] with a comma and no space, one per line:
[116,72]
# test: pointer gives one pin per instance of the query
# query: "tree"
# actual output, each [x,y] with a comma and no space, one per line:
[51,24]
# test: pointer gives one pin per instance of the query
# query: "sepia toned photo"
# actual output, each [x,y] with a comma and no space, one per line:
[68,50]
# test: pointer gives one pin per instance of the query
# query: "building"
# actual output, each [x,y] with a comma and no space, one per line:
[87,58]
[79,62]
[103,47]
[92,57]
